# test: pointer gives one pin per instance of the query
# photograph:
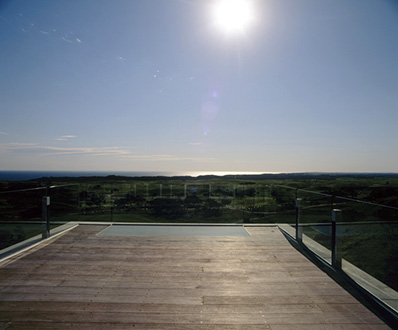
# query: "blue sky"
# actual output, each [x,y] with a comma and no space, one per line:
[154,85]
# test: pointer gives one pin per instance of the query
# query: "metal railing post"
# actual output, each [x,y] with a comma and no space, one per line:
[46,217]
[299,229]
[336,244]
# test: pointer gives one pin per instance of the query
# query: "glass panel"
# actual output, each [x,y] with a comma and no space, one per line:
[315,219]
[93,202]
[154,202]
[369,234]
[20,214]
[284,200]
[64,204]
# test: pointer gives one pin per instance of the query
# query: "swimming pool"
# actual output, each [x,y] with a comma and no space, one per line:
[174,230]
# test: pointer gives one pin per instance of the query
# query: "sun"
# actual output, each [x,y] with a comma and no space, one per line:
[233,16]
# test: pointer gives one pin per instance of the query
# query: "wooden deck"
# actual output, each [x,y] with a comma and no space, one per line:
[85,281]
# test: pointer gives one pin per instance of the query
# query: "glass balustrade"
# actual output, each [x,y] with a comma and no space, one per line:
[23,212]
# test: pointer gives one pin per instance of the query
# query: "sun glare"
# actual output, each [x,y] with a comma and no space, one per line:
[233,16]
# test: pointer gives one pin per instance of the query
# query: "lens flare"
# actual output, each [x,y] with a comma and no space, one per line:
[209,111]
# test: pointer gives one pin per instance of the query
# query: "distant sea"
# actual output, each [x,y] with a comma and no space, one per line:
[29,175]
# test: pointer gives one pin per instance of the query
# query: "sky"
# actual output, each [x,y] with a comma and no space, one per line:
[158,85]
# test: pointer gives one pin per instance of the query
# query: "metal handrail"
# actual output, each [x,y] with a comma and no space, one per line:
[37,188]
[365,202]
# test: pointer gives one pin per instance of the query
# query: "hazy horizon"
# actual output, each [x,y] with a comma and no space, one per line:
[163,86]
[28,175]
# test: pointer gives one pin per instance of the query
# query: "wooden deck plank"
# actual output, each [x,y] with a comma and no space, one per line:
[86,281]
[148,326]
[115,326]
[189,318]
[160,308]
